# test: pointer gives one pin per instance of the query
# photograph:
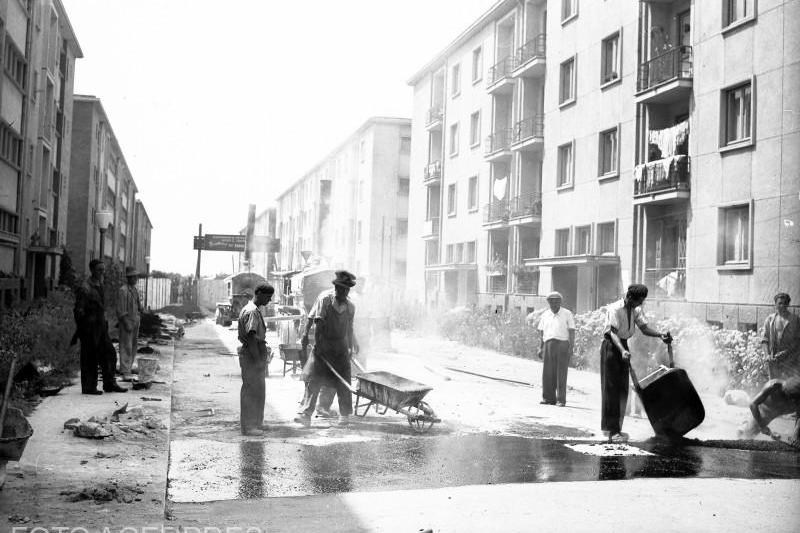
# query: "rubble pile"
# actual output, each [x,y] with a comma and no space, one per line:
[123,422]
[112,491]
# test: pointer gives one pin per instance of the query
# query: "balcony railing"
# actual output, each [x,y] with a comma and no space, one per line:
[530,50]
[434,115]
[501,69]
[527,205]
[496,211]
[673,64]
[529,128]
[432,171]
[431,227]
[666,282]
[664,175]
[9,222]
[499,140]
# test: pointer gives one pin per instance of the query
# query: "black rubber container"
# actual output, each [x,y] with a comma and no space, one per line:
[672,404]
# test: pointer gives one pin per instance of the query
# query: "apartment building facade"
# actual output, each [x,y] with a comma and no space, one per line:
[260,255]
[143,230]
[625,142]
[101,183]
[39,52]
[351,209]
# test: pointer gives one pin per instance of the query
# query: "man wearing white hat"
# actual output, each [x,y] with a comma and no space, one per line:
[129,305]
[557,327]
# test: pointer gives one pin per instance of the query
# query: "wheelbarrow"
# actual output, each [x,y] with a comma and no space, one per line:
[389,391]
[14,429]
[670,400]
[292,356]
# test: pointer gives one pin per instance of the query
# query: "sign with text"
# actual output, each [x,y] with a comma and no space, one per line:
[220,243]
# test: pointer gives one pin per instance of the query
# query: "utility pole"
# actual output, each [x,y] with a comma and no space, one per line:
[197,269]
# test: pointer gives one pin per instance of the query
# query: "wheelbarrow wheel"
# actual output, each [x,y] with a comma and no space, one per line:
[420,417]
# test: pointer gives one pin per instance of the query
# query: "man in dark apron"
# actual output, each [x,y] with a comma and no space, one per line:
[329,363]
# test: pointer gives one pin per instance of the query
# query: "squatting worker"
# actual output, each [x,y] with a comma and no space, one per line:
[557,327]
[781,341]
[778,397]
[334,343]
[253,356]
[92,329]
[622,317]
[129,307]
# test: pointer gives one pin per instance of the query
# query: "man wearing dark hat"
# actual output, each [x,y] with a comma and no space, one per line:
[334,341]
[253,356]
[557,328]
[129,307]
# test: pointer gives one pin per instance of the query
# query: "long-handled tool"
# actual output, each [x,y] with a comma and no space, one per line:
[7,393]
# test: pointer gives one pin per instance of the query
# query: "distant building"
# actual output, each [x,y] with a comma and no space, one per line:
[261,256]
[101,181]
[39,51]
[143,230]
[351,209]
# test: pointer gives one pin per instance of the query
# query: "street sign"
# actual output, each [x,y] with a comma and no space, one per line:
[220,243]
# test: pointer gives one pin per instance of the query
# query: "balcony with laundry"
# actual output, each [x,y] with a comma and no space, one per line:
[434,117]
[500,80]
[432,173]
[665,177]
[497,211]
[665,72]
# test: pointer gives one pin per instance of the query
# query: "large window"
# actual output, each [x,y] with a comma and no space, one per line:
[565,165]
[611,65]
[454,139]
[608,153]
[475,129]
[562,242]
[605,239]
[405,145]
[451,199]
[583,240]
[472,194]
[734,238]
[455,80]
[737,105]
[569,10]
[403,185]
[566,92]
[402,227]
[470,258]
[738,11]
[477,64]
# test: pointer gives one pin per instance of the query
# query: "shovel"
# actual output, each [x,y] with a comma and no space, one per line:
[7,393]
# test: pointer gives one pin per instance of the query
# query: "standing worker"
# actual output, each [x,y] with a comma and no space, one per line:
[92,330]
[782,340]
[253,356]
[557,327]
[622,317]
[334,343]
[129,307]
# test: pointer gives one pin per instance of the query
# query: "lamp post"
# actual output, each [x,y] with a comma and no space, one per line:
[103,219]
[146,278]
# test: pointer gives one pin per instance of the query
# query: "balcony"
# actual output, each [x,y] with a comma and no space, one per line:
[496,213]
[663,181]
[666,282]
[665,78]
[530,57]
[500,80]
[9,224]
[434,117]
[526,206]
[430,228]
[432,172]
[498,144]
[528,134]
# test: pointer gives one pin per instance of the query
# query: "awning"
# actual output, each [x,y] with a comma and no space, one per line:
[567,260]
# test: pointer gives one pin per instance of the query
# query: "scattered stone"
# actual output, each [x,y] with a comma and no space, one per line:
[149,399]
[18,519]
[120,411]
[92,430]
[737,397]
[101,455]
[98,420]
[83,462]
[72,423]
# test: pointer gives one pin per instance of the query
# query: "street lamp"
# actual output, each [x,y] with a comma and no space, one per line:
[146,278]
[103,219]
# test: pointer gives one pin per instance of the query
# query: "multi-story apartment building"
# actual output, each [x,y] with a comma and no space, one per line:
[39,52]
[260,256]
[626,142]
[143,230]
[351,209]
[101,182]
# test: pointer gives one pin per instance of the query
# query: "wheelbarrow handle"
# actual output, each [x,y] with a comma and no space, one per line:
[7,393]
[335,373]
[669,353]
[635,380]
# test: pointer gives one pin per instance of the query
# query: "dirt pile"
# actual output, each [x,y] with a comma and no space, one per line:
[112,491]
[124,422]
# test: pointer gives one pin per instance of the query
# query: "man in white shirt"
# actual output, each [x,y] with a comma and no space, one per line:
[557,327]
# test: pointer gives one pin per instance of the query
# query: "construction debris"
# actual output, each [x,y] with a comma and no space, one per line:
[123,422]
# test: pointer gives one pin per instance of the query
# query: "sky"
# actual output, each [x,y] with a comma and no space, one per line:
[218,105]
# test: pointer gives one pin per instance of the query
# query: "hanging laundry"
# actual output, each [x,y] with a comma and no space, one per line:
[499,189]
[669,139]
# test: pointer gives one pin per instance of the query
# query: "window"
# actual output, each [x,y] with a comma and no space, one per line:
[405,145]
[738,11]
[477,64]
[11,145]
[562,242]
[454,139]
[458,253]
[15,64]
[472,194]
[734,242]
[448,253]
[737,105]
[608,153]
[569,10]
[402,227]
[455,80]
[567,82]
[403,185]
[605,239]
[451,199]
[610,59]
[470,258]
[565,166]
[475,129]
[583,240]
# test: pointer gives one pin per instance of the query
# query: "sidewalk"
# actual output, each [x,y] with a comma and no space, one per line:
[59,471]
